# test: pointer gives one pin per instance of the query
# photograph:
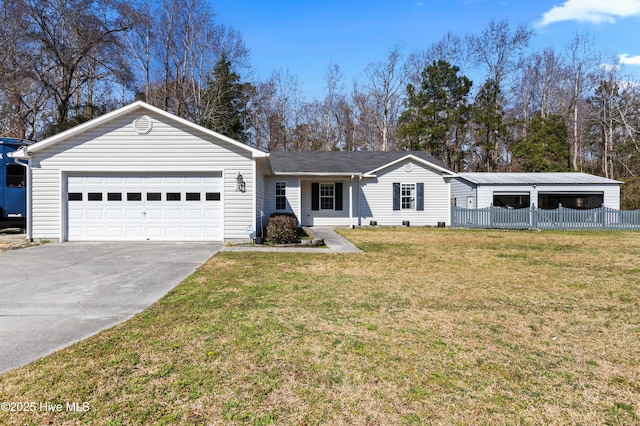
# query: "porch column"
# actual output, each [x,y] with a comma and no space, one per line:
[351,202]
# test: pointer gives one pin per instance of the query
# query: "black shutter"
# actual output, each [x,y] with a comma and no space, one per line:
[338,196]
[420,196]
[396,196]
[315,196]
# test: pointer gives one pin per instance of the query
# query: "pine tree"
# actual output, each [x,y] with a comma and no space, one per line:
[545,148]
[436,111]
[491,129]
[224,102]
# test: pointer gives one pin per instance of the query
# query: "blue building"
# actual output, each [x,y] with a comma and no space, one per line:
[13,185]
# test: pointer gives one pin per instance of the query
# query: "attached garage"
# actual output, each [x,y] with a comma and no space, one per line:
[144,207]
[137,174]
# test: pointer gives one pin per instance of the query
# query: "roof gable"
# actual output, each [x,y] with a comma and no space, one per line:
[140,107]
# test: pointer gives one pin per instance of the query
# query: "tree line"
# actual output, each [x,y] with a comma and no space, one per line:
[477,102]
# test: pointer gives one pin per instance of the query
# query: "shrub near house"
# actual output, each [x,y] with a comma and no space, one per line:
[282,229]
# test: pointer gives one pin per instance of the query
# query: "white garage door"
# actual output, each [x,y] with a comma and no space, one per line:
[185,207]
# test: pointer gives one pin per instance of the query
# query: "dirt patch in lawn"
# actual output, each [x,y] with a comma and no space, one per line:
[12,239]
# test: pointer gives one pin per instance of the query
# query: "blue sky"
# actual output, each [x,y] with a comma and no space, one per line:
[305,37]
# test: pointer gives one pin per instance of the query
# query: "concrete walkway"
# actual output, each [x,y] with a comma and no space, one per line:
[334,242]
[59,293]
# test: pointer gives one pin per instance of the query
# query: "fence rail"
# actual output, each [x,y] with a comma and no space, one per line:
[561,218]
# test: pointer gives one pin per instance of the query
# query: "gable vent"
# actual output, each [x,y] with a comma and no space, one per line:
[143,125]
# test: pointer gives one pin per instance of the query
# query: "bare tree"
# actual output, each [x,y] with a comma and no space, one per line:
[274,111]
[582,61]
[541,89]
[498,48]
[21,98]
[75,40]
[451,48]
[381,96]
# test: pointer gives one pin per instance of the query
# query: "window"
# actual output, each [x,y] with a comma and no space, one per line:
[192,196]
[114,196]
[154,196]
[408,196]
[281,195]
[16,176]
[512,201]
[212,196]
[326,196]
[134,196]
[173,196]
[94,196]
[75,196]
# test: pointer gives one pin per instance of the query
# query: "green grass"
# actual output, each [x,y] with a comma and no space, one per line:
[430,326]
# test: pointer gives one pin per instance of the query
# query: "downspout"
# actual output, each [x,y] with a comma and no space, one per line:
[29,215]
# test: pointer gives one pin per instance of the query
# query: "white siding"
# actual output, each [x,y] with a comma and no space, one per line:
[611,192]
[460,191]
[292,193]
[324,217]
[377,200]
[116,147]
[260,190]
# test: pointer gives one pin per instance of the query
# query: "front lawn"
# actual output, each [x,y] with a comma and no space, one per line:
[429,326]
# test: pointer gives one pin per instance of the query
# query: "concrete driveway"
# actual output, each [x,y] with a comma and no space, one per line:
[57,294]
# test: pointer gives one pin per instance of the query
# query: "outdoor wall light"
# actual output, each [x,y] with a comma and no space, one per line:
[240,185]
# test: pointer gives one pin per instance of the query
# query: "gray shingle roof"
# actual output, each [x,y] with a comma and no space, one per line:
[484,178]
[339,162]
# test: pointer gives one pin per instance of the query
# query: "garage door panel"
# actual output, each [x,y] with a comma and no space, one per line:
[114,232]
[93,213]
[173,213]
[138,207]
[97,181]
[193,214]
[134,232]
[114,213]
[135,213]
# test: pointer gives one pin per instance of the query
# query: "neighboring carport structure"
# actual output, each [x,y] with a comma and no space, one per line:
[544,190]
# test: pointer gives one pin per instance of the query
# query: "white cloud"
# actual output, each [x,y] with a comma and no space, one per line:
[594,11]
[629,60]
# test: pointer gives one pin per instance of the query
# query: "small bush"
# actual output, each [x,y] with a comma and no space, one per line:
[282,229]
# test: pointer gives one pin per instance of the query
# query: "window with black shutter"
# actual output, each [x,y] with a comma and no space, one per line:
[327,196]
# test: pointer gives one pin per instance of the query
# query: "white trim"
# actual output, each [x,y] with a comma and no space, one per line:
[275,195]
[139,105]
[333,196]
[298,209]
[63,189]
[351,202]
[414,200]
[444,172]
[308,175]
[254,198]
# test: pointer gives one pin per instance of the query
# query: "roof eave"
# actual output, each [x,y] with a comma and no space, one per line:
[313,174]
